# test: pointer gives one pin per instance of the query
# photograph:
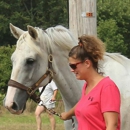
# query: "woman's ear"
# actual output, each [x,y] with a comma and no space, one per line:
[88,62]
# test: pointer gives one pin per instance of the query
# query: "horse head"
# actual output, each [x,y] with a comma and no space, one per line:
[28,66]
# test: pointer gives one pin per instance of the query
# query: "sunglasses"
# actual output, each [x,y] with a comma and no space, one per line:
[74,66]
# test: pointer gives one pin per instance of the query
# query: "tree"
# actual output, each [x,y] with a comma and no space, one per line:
[108,31]
[37,13]
[5,66]
[113,25]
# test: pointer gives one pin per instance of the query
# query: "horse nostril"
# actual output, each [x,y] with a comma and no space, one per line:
[15,106]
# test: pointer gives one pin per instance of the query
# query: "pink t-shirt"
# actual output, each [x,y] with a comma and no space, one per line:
[104,97]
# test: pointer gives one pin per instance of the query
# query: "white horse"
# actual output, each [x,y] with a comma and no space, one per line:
[30,62]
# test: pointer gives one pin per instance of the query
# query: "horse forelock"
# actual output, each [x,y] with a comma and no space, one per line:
[26,40]
[21,40]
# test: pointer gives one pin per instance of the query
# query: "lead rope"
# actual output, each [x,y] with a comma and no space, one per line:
[51,111]
[73,124]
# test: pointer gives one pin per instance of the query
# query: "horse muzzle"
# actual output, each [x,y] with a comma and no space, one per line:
[13,107]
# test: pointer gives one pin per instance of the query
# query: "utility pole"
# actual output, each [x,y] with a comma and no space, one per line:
[82,17]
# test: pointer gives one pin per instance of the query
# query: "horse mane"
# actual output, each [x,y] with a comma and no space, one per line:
[61,36]
[119,58]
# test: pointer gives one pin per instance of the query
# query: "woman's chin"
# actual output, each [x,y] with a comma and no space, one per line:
[78,77]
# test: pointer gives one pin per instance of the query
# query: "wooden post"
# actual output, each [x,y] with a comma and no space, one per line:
[82,17]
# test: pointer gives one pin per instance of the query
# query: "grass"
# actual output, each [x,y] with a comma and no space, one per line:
[26,121]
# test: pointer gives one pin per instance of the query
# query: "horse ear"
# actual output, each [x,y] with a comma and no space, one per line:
[17,32]
[32,31]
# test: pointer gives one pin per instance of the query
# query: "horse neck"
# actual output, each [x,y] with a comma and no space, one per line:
[66,81]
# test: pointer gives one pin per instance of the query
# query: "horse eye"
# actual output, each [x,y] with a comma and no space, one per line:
[30,61]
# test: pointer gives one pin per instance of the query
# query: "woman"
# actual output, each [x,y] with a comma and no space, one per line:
[99,105]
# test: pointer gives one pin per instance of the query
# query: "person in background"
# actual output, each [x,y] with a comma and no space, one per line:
[99,105]
[48,98]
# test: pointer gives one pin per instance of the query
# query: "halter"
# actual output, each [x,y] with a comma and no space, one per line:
[31,90]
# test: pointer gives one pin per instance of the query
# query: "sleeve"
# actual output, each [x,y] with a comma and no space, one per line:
[53,85]
[110,98]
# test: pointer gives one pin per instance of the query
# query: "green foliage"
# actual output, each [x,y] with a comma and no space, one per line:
[1,99]
[113,25]
[38,13]
[5,66]
[107,31]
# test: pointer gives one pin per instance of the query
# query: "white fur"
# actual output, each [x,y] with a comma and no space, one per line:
[59,41]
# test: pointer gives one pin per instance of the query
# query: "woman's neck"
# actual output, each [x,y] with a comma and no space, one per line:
[94,79]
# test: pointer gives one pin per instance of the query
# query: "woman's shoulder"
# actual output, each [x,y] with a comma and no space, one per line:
[108,82]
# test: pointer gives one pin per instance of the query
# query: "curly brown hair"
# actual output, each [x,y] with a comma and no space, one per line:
[90,47]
